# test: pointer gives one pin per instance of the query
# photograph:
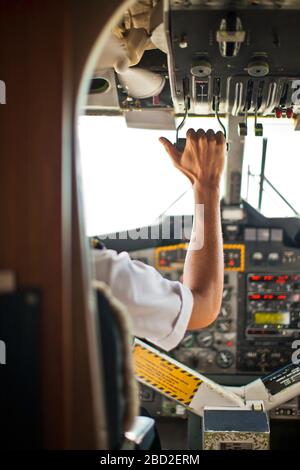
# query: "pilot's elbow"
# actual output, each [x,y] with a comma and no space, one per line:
[213,314]
[205,311]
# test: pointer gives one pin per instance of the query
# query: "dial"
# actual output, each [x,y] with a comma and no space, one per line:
[224,326]
[188,340]
[226,293]
[224,359]
[205,339]
[225,311]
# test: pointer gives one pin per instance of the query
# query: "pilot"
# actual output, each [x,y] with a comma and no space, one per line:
[162,310]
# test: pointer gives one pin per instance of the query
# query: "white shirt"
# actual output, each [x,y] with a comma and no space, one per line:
[160,309]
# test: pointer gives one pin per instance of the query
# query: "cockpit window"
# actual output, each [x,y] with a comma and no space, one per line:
[280,196]
[128,179]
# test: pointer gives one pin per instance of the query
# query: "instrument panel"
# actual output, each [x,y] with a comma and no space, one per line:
[212,349]
[259,317]
[236,68]
[171,258]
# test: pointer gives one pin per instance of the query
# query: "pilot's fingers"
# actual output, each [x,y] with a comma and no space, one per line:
[170,149]
[191,136]
[201,134]
[202,140]
[210,135]
[220,138]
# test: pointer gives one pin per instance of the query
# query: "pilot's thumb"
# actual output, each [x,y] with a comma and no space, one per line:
[170,148]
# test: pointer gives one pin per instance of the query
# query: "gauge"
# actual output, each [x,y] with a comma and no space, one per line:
[205,339]
[226,293]
[224,359]
[188,340]
[224,326]
[225,311]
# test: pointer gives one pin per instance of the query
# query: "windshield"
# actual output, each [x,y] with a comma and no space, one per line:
[280,196]
[129,180]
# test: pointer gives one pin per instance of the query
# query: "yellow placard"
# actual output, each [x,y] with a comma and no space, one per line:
[163,375]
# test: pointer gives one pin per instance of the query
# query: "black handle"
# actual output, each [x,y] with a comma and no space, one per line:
[180,144]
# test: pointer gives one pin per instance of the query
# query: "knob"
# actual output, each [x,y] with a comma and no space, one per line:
[224,359]
[258,68]
[273,258]
[257,257]
[201,69]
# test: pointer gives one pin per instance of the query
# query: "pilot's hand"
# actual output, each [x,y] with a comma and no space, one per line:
[202,159]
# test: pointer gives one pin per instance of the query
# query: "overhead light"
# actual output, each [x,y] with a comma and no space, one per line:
[141,83]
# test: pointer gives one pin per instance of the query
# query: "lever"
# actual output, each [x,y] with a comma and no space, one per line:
[243,126]
[258,128]
[180,144]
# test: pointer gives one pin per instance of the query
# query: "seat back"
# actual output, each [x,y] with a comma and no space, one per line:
[120,387]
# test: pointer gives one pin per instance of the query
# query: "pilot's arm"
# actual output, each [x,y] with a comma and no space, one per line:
[162,310]
[202,161]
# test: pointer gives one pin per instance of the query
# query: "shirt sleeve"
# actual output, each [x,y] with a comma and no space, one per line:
[160,309]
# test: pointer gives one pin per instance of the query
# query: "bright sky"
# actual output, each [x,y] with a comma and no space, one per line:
[282,167]
[128,179]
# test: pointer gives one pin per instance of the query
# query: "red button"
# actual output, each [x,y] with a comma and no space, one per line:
[254,297]
[281,297]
